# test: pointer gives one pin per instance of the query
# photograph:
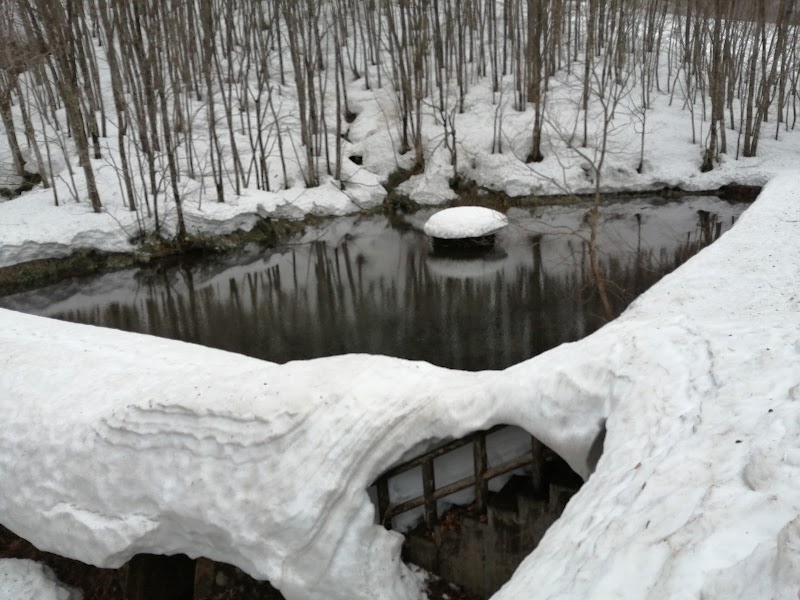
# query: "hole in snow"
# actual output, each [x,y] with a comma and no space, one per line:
[491,494]
[157,577]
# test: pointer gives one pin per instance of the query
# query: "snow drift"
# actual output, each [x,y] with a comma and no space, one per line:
[116,443]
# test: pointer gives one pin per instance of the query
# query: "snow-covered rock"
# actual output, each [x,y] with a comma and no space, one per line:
[464,222]
[116,443]
[29,580]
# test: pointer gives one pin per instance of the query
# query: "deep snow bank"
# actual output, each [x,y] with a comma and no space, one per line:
[131,443]
[135,444]
[698,492]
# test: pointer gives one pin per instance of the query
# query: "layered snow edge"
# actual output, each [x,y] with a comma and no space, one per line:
[137,444]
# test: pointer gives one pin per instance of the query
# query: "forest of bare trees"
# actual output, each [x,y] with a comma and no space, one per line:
[174,100]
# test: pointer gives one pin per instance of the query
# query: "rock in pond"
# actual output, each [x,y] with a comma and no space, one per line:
[464,227]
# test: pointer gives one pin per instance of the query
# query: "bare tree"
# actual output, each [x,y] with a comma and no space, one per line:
[48,26]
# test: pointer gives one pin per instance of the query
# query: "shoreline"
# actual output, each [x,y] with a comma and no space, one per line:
[271,232]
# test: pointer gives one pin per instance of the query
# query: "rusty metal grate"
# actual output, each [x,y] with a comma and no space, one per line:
[479,479]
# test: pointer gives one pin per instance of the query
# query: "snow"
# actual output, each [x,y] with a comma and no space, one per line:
[31,227]
[27,580]
[464,222]
[136,444]
[698,491]
[229,459]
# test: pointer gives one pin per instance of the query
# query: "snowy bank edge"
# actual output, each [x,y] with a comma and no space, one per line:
[721,426]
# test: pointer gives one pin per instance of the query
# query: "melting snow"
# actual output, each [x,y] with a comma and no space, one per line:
[116,443]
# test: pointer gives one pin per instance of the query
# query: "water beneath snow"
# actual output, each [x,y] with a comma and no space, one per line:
[373,284]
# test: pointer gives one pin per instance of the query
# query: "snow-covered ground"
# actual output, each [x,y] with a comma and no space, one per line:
[32,227]
[27,580]
[134,444]
[697,494]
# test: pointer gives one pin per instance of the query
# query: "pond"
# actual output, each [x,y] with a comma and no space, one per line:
[373,284]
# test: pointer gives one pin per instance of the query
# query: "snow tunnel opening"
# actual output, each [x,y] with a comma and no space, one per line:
[472,509]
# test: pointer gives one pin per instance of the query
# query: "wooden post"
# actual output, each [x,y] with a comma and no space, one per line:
[383,502]
[428,489]
[537,465]
[480,462]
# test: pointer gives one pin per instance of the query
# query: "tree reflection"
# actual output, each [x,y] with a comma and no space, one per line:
[392,296]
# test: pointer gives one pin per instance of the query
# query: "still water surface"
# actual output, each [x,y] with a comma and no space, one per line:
[373,284]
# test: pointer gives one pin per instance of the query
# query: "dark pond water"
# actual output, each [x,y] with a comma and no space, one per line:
[373,285]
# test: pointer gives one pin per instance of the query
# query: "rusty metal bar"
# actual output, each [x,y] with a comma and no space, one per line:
[429,493]
[511,465]
[482,474]
[457,486]
[448,447]
[480,464]
[406,506]
[537,465]
[383,501]
[450,488]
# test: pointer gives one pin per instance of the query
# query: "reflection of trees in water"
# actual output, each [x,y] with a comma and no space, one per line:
[630,278]
[321,299]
